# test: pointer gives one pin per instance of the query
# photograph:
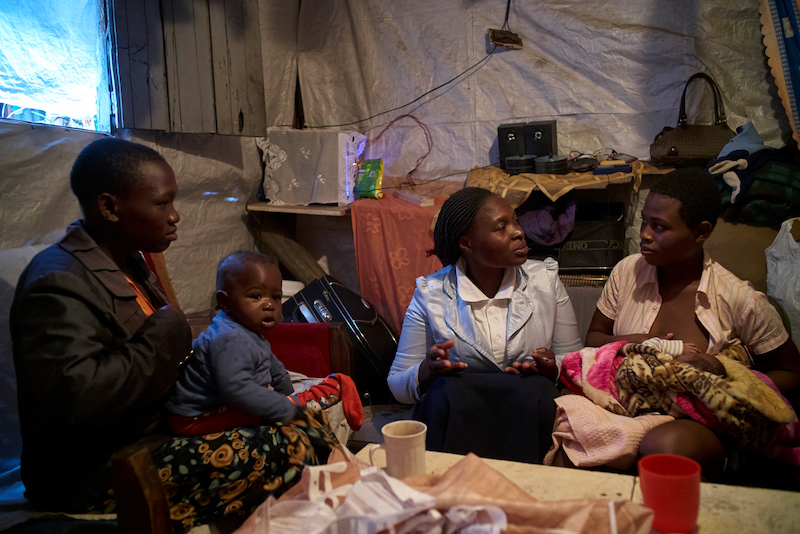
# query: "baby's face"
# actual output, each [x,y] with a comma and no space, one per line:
[255,297]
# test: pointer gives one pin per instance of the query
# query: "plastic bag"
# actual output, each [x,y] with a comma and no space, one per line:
[783,275]
[369,180]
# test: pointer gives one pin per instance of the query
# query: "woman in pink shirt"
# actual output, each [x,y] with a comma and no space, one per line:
[674,290]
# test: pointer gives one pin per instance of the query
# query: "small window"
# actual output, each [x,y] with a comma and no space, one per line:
[53,63]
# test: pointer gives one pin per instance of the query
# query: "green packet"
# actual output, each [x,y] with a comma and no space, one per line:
[369,179]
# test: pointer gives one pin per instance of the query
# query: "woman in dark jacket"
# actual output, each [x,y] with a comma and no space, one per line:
[97,348]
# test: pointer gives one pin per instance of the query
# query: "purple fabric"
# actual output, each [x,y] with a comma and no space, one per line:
[545,222]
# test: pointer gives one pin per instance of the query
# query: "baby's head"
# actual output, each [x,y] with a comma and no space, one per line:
[704,362]
[249,290]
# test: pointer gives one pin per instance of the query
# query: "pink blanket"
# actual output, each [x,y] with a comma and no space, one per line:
[592,436]
[631,380]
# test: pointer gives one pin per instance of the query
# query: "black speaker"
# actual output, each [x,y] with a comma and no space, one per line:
[540,138]
[511,141]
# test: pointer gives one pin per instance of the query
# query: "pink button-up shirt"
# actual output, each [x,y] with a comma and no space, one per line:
[726,306]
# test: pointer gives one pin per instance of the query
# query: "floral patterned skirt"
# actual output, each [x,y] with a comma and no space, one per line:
[230,473]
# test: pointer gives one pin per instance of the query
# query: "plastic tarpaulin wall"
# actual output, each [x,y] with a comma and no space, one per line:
[66,35]
[611,74]
[216,175]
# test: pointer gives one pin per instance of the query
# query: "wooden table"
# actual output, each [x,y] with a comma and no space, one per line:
[723,509]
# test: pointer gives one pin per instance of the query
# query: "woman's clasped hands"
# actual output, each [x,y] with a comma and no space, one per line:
[542,361]
[437,363]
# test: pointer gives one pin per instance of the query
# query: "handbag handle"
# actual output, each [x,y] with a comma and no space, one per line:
[719,105]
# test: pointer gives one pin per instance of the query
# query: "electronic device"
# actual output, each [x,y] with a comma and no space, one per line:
[292,177]
[505,38]
[510,141]
[612,169]
[627,158]
[597,241]
[526,139]
[540,138]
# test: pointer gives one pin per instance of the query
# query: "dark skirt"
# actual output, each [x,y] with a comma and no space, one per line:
[494,415]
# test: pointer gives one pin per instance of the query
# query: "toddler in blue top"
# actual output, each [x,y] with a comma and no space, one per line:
[233,378]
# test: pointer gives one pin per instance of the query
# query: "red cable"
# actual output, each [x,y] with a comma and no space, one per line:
[428,139]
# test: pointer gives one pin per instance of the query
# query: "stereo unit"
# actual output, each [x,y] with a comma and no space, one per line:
[540,138]
[510,141]
[527,139]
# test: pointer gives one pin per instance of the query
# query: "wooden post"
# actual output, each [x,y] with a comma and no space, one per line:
[142,504]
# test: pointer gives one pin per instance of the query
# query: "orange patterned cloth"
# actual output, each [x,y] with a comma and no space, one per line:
[392,238]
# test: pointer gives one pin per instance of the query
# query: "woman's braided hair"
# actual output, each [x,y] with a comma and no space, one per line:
[455,218]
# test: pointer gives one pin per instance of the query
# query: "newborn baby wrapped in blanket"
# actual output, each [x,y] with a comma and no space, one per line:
[636,379]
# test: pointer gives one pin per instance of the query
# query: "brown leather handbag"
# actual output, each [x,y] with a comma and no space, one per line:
[693,144]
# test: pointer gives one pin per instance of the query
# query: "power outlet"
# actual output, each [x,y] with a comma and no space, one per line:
[505,39]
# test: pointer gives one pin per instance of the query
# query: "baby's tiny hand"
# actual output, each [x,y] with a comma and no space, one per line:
[690,348]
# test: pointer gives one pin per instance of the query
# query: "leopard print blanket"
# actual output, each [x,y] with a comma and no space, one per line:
[631,379]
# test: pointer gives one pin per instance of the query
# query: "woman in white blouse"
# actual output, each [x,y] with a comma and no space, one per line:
[483,337]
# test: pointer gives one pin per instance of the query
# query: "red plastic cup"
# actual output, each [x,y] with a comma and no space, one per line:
[671,488]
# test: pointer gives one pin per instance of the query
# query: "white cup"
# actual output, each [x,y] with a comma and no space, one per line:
[404,443]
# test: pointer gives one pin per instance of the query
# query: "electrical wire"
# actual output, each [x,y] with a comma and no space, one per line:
[505,21]
[451,80]
[428,139]
[428,136]
[420,97]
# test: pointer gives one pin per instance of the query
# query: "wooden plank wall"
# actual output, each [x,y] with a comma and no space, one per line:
[190,82]
[238,74]
[255,114]
[221,67]
[192,66]
[139,74]
[156,68]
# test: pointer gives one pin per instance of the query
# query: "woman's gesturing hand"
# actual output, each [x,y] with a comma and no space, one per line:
[542,361]
[437,363]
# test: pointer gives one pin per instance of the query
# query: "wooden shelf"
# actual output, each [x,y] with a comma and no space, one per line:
[313,209]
